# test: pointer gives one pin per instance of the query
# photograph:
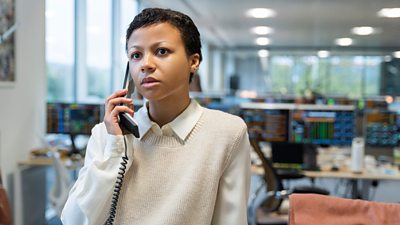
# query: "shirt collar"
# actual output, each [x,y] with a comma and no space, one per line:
[181,125]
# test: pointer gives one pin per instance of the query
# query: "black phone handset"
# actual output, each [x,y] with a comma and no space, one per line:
[126,120]
[128,124]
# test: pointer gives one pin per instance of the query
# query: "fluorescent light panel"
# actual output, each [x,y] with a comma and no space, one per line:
[263,53]
[344,41]
[389,12]
[323,54]
[261,30]
[260,13]
[396,54]
[365,30]
[263,41]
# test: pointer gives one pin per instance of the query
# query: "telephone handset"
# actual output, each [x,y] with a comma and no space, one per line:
[126,120]
[127,123]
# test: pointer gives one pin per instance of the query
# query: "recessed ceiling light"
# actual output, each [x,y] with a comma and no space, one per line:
[365,30]
[261,30]
[396,54]
[344,41]
[323,54]
[263,41]
[260,13]
[389,12]
[263,53]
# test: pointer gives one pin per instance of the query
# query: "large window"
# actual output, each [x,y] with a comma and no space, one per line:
[60,49]
[340,75]
[85,48]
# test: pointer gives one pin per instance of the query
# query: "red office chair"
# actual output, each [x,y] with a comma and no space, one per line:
[5,209]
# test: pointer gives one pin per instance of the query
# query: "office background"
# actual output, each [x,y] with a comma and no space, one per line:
[39,77]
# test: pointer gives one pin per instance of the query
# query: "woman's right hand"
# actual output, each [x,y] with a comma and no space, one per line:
[113,107]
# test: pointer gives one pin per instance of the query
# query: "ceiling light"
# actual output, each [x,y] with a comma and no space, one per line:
[260,13]
[396,54]
[263,41]
[344,41]
[387,58]
[262,30]
[389,12]
[263,53]
[323,54]
[363,30]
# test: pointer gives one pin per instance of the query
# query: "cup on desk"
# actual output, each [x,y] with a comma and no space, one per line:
[357,155]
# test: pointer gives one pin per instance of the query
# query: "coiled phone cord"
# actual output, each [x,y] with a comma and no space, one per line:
[117,188]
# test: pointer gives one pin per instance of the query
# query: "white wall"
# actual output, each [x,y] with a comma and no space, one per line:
[22,106]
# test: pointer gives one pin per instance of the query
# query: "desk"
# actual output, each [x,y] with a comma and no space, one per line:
[350,175]
[43,161]
[353,177]
[258,170]
[34,180]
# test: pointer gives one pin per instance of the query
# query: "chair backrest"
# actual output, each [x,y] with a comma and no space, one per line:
[271,178]
[62,184]
[5,209]
[314,209]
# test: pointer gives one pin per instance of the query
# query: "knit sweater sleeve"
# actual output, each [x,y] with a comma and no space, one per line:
[90,197]
[233,191]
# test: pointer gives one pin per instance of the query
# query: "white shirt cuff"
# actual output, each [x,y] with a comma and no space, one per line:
[115,146]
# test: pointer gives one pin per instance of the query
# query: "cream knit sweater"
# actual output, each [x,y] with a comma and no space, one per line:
[201,180]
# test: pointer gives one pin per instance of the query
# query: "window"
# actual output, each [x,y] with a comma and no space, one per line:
[85,48]
[340,75]
[60,50]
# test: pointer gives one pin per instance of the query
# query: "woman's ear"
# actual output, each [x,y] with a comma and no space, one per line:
[194,62]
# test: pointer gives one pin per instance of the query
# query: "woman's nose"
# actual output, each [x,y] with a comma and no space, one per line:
[147,63]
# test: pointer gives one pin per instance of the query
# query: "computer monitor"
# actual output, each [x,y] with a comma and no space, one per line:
[268,125]
[287,155]
[382,128]
[290,155]
[72,119]
[322,127]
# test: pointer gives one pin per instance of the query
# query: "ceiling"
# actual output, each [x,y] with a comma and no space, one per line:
[298,24]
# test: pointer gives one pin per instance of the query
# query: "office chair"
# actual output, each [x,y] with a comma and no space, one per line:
[314,209]
[275,193]
[62,184]
[5,208]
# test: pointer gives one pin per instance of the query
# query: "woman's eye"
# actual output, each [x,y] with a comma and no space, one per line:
[136,55]
[162,51]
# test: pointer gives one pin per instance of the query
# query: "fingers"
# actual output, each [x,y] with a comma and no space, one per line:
[120,108]
[115,104]
[117,98]
[118,93]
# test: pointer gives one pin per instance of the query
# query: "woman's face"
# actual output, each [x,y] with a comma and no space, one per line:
[158,62]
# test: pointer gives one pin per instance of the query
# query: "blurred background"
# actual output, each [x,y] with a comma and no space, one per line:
[297,71]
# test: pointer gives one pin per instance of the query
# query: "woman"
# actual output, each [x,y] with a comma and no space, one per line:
[190,166]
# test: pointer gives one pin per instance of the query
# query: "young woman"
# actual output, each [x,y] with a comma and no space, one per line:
[190,166]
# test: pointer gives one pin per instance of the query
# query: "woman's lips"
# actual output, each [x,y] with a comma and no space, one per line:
[149,82]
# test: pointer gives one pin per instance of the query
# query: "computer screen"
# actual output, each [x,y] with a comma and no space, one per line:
[290,155]
[382,128]
[287,153]
[70,118]
[269,125]
[322,127]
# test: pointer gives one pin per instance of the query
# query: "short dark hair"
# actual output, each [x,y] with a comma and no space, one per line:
[188,30]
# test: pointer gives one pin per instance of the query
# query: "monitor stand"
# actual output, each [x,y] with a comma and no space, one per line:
[75,153]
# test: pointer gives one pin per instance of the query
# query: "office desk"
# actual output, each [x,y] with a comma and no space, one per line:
[258,170]
[34,178]
[353,177]
[43,161]
[350,175]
